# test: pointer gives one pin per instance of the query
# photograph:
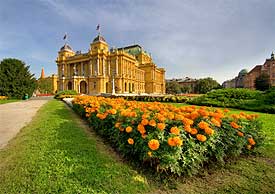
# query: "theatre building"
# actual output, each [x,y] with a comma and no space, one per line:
[102,70]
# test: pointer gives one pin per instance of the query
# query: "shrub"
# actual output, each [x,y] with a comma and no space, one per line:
[65,94]
[172,140]
[230,97]
[179,99]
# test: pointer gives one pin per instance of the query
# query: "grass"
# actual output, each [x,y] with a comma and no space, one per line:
[8,101]
[53,154]
[56,154]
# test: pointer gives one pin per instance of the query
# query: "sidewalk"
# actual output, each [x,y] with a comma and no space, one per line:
[14,116]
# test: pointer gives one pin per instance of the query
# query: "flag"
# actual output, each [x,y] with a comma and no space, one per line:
[65,37]
[97,27]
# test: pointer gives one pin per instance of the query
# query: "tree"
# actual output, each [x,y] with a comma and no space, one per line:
[45,86]
[262,82]
[16,79]
[173,87]
[205,85]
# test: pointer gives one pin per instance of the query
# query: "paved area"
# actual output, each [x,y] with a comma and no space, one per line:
[16,115]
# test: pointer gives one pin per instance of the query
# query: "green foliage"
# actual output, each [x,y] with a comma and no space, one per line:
[45,85]
[65,94]
[205,85]
[173,87]
[16,79]
[238,98]
[176,99]
[229,97]
[262,82]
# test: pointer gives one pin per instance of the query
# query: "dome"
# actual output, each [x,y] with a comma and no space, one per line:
[243,72]
[66,47]
[99,38]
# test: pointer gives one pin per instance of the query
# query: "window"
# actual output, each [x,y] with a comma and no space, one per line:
[94,85]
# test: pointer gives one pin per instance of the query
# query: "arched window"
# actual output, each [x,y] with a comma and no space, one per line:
[70,85]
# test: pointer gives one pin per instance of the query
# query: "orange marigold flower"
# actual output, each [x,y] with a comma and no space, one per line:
[141,128]
[171,116]
[203,125]
[152,123]
[216,122]
[209,131]
[113,111]
[161,126]
[149,154]
[226,110]
[171,141]
[153,144]
[177,141]
[248,147]
[235,125]
[175,130]
[194,131]
[187,128]
[117,125]
[133,114]
[144,122]
[130,141]
[129,129]
[187,121]
[201,138]
[194,115]
[121,128]
[251,141]
[240,134]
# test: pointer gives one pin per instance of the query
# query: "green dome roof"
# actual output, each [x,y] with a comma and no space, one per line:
[243,72]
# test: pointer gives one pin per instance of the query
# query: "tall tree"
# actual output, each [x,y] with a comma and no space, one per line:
[16,79]
[205,85]
[262,82]
[44,85]
[173,87]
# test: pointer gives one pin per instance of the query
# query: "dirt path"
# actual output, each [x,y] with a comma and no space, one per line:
[14,116]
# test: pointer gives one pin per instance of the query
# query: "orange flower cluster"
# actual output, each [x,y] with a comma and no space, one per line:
[174,141]
[201,138]
[156,123]
[235,125]
[175,130]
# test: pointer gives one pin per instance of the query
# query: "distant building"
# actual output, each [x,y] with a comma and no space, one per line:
[237,82]
[187,83]
[46,84]
[268,67]
[251,76]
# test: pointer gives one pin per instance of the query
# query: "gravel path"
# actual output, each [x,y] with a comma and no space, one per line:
[14,116]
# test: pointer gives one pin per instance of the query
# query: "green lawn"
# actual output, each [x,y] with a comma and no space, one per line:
[56,154]
[53,154]
[8,101]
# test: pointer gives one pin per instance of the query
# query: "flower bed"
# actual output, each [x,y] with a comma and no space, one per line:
[3,97]
[172,140]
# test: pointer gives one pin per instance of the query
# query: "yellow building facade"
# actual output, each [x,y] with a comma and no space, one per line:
[102,70]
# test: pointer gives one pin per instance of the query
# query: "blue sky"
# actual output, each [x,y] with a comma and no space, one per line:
[214,38]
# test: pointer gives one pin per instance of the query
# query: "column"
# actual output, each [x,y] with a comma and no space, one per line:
[82,73]
[109,67]
[97,66]
[117,66]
